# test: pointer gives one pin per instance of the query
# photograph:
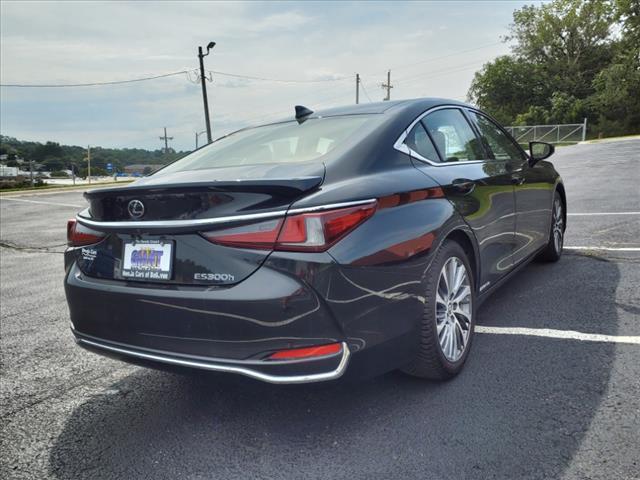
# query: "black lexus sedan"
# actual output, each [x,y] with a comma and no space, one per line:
[353,241]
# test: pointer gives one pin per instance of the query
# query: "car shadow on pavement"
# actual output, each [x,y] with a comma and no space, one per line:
[519,409]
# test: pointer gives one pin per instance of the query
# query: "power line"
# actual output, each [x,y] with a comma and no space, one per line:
[432,59]
[229,74]
[187,72]
[364,90]
[115,82]
[277,80]
[437,73]
[281,114]
[406,65]
[278,114]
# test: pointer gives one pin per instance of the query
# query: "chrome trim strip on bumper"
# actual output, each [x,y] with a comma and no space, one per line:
[180,223]
[265,377]
[213,221]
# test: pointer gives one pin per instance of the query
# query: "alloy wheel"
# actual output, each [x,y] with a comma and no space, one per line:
[558,225]
[453,309]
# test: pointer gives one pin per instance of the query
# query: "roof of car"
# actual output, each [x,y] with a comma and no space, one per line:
[396,107]
[384,107]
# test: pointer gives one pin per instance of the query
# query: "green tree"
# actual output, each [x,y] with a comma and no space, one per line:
[617,99]
[569,39]
[507,86]
[565,108]
[52,163]
[535,115]
[63,156]
[628,15]
[570,59]
[48,150]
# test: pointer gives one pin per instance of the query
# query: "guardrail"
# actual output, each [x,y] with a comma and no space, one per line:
[560,133]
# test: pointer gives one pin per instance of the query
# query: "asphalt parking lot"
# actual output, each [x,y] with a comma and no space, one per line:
[524,407]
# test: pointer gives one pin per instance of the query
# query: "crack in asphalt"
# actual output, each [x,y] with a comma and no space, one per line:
[59,393]
[601,257]
[31,248]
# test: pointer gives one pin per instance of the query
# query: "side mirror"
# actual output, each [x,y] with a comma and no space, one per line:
[539,151]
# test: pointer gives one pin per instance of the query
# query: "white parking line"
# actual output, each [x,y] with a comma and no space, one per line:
[36,201]
[605,249]
[561,334]
[593,214]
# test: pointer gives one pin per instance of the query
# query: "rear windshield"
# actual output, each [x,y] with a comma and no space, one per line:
[287,142]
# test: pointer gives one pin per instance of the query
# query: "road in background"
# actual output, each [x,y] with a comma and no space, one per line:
[524,407]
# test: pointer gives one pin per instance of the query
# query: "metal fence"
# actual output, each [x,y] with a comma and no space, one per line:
[567,133]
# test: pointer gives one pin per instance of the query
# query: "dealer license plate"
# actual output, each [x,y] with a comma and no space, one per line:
[147,260]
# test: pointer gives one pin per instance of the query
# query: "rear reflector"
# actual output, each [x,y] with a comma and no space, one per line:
[79,235]
[304,232]
[318,351]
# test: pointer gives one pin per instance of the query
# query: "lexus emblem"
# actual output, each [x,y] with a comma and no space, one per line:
[136,209]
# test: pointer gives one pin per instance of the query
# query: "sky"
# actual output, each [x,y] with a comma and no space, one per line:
[431,48]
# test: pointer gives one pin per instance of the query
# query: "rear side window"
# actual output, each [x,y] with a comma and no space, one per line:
[287,142]
[419,142]
[501,145]
[453,136]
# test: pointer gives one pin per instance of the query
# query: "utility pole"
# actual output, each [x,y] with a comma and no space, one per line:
[166,141]
[31,172]
[204,88]
[89,163]
[388,86]
[357,88]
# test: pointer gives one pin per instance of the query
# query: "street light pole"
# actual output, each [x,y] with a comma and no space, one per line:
[204,88]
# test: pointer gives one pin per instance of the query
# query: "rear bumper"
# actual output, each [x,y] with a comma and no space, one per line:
[316,370]
[292,301]
[267,312]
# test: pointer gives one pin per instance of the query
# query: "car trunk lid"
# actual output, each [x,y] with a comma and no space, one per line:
[152,229]
[203,194]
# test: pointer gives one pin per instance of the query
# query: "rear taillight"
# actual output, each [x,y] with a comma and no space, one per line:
[79,235]
[319,230]
[308,352]
[303,232]
[261,235]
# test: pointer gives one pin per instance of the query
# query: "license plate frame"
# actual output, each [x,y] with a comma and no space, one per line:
[147,260]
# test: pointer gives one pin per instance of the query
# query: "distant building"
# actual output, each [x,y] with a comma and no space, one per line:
[8,171]
[141,169]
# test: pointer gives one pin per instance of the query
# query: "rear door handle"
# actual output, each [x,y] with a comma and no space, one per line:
[463,185]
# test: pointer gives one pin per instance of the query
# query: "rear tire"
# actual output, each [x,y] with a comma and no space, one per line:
[553,251]
[448,319]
